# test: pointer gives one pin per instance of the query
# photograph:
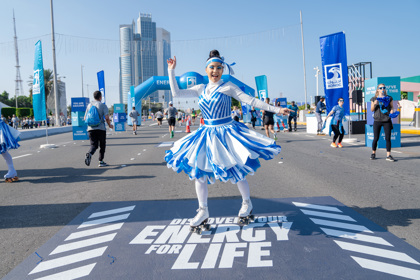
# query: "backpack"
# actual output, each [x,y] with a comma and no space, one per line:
[92,117]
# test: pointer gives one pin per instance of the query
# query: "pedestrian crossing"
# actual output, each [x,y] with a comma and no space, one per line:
[77,247]
[166,144]
[359,240]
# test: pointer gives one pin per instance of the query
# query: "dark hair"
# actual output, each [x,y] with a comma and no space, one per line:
[214,53]
[97,95]
[268,98]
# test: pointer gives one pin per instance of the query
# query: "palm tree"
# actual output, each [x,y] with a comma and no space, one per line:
[48,83]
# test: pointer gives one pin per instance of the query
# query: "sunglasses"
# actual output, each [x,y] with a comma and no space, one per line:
[382,87]
[341,100]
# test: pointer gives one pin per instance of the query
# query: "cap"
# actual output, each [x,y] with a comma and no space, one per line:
[170,103]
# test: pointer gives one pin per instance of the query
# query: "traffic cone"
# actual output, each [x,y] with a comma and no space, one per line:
[187,130]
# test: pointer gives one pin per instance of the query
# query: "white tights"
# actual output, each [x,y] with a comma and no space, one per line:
[11,169]
[203,192]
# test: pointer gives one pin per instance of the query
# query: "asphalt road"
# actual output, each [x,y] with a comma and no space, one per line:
[55,185]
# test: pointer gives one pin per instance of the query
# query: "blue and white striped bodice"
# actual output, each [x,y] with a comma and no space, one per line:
[214,106]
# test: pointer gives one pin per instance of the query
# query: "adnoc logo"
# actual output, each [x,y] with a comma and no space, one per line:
[333,76]
[36,86]
[191,81]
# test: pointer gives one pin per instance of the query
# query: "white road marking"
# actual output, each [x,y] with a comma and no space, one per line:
[327,215]
[104,221]
[356,236]
[376,252]
[139,154]
[84,243]
[340,225]
[46,265]
[110,212]
[131,158]
[71,274]
[22,156]
[318,207]
[388,268]
[94,231]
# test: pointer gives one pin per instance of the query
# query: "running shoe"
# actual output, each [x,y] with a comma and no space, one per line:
[339,145]
[102,164]
[390,158]
[333,145]
[373,156]
[88,158]
[275,136]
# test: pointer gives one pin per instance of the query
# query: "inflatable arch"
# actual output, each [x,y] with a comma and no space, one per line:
[187,80]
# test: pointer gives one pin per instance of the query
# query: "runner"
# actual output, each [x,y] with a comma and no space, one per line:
[159,117]
[134,115]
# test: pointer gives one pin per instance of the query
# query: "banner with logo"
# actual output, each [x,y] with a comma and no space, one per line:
[262,89]
[38,87]
[101,84]
[334,65]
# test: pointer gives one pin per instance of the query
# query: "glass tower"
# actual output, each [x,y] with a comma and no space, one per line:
[139,51]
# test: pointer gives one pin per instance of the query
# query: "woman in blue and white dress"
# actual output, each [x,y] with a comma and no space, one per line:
[222,149]
[9,138]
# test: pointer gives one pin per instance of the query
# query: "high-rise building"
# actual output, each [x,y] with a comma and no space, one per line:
[143,47]
[163,38]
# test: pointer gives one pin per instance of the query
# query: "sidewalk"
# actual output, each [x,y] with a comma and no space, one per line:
[40,132]
[406,128]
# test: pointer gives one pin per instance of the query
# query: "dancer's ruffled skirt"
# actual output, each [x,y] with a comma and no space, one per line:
[9,138]
[226,152]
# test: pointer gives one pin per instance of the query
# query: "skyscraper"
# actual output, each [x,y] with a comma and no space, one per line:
[141,53]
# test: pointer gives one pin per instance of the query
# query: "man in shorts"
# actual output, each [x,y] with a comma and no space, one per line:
[159,117]
[171,112]
[133,115]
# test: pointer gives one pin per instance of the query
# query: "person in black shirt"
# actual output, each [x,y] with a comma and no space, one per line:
[268,121]
[381,106]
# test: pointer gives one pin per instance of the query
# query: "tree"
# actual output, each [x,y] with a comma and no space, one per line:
[48,83]
[4,98]
[23,101]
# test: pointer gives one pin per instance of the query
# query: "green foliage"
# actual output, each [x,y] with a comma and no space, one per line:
[8,111]
[236,103]
[23,112]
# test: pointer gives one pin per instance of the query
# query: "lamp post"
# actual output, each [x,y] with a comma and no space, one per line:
[317,76]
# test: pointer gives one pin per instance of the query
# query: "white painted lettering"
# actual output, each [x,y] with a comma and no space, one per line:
[146,232]
[220,220]
[175,222]
[200,238]
[229,220]
[175,249]
[226,231]
[211,256]
[177,234]
[255,253]
[182,262]
[281,232]
[151,249]
[229,254]
[248,233]
[163,249]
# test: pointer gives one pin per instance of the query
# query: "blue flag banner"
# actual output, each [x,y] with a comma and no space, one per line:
[38,88]
[334,65]
[261,82]
[101,84]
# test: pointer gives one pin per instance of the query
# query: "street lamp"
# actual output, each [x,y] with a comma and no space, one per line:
[317,76]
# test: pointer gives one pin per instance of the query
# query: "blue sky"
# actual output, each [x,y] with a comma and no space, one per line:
[262,37]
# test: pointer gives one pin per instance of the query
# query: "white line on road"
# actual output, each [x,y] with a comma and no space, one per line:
[131,158]
[104,221]
[376,252]
[22,156]
[111,212]
[71,274]
[94,231]
[388,268]
[46,265]
[340,225]
[356,236]
[327,215]
[84,243]
[318,207]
